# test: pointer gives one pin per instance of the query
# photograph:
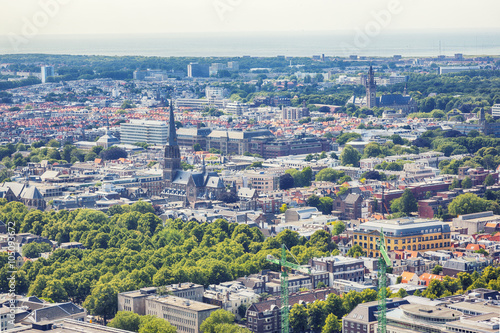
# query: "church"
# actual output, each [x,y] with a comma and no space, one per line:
[403,102]
[187,186]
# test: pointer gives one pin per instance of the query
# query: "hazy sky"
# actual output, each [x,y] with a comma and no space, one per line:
[177,16]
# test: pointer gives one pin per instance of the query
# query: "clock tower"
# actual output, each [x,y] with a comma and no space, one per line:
[371,89]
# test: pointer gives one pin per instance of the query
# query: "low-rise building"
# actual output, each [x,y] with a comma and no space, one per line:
[185,314]
[135,301]
[403,234]
[363,320]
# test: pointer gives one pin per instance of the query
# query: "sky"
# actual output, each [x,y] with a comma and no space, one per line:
[194,16]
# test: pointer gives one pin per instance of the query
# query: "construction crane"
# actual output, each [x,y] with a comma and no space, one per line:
[384,261]
[285,266]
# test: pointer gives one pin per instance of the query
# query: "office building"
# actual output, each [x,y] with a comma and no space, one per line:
[149,131]
[363,320]
[215,92]
[47,71]
[186,315]
[457,69]
[340,267]
[291,113]
[403,234]
[495,111]
[194,69]
[135,300]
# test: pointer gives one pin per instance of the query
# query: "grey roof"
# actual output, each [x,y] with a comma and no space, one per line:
[366,311]
[246,192]
[215,182]
[405,227]
[352,198]
[17,188]
[394,99]
[31,192]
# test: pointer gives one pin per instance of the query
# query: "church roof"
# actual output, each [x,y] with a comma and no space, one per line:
[31,192]
[394,99]
[215,182]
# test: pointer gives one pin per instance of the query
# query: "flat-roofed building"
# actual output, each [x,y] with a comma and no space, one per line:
[339,267]
[363,320]
[186,315]
[420,318]
[149,131]
[403,234]
[476,222]
[135,301]
[495,111]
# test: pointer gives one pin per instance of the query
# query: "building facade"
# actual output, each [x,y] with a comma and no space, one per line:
[186,315]
[149,131]
[403,234]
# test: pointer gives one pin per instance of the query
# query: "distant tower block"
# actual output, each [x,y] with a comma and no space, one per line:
[47,71]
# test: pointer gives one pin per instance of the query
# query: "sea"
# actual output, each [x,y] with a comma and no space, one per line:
[260,44]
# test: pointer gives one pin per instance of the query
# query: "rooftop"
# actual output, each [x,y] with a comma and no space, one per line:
[183,303]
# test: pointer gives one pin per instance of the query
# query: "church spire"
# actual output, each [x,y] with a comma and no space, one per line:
[172,135]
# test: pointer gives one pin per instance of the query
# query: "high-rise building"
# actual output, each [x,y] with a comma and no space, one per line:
[47,71]
[196,70]
[149,131]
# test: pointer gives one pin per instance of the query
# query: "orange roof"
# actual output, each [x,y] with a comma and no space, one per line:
[428,276]
[492,224]
[458,254]
[475,247]
[407,276]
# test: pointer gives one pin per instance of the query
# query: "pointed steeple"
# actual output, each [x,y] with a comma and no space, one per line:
[405,91]
[203,167]
[172,135]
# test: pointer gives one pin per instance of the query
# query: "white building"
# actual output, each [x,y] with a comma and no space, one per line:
[149,131]
[495,111]
[47,71]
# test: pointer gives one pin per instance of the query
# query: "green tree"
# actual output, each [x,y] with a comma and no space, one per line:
[469,203]
[288,237]
[197,147]
[55,291]
[33,250]
[286,181]
[401,293]
[283,208]
[313,201]
[332,324]
[373,149]
[338,227]
[454,184]
[326,205]
[216,318]
[466,182]
[350,156]
[322,241]
[489,180]
[437,269]
[356,251]
[54,143]
[298,318]
[103,301]
[316,316]
[406,204]
[152,324]
[126,320]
